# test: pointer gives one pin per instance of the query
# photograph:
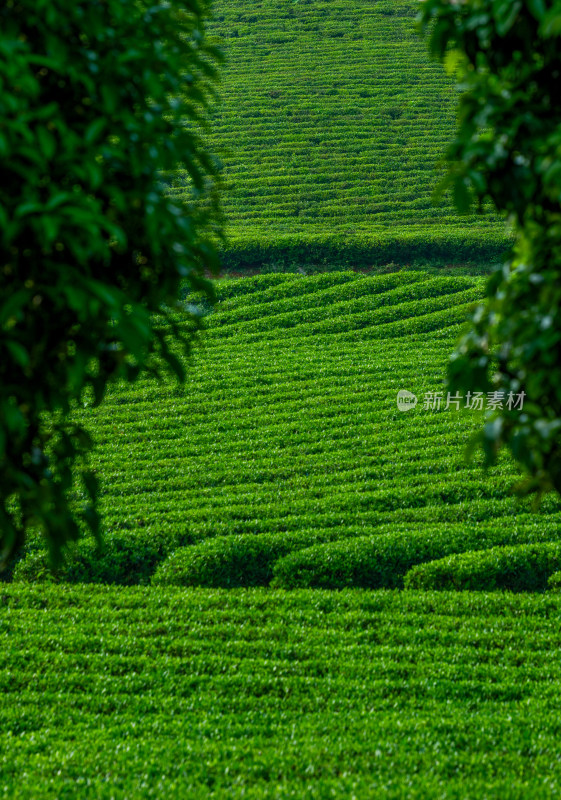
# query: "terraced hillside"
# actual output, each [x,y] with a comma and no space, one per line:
[331,123]
[286,459]
[119,693]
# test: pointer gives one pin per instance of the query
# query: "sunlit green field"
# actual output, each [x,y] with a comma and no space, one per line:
[144,692]
[281,474]
[285,458]
[263,619]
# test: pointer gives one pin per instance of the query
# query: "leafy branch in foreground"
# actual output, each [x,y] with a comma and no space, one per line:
[98,100]
[508,149]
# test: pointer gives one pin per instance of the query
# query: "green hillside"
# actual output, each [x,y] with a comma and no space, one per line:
[331,122]
[285,456]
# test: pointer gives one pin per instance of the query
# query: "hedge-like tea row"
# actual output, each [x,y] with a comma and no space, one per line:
[123,560]
[356,314]
[385,560]
[232,561]
[431,243]
[292,295]
[330,558]
[327,309]
[521,568]
[554,582]
[292,436]
[258,284]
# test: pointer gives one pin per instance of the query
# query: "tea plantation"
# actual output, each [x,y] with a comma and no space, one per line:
[285,458]
[142,692]
[304,591]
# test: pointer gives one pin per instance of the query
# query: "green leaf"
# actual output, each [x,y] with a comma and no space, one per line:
[14,304]
[461,194]
[537,8]
[47,142]
[134,332]
[76,297]
[19,353]
[506,13]
[57,200]
[551,24]
[94,131]
[27,208]
[110,295]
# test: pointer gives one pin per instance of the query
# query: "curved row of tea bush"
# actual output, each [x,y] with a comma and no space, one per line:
[332,558]
[520,568]
[338,316]
[324,291]
[444,557]
[292,440]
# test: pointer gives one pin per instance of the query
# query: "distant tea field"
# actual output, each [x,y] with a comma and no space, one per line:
[331,125]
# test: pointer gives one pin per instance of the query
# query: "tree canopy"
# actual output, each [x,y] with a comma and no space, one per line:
[507,55]
[99,99]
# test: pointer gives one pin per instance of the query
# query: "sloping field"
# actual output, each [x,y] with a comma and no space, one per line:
[331,123]
[286,459]
[122,693]
[286,462]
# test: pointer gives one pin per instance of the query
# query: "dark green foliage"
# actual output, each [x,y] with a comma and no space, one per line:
[225,561]
[379,561]
[522,568]
[120,560]
[365,250]
[98,99]
[230,561]
[507,150]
